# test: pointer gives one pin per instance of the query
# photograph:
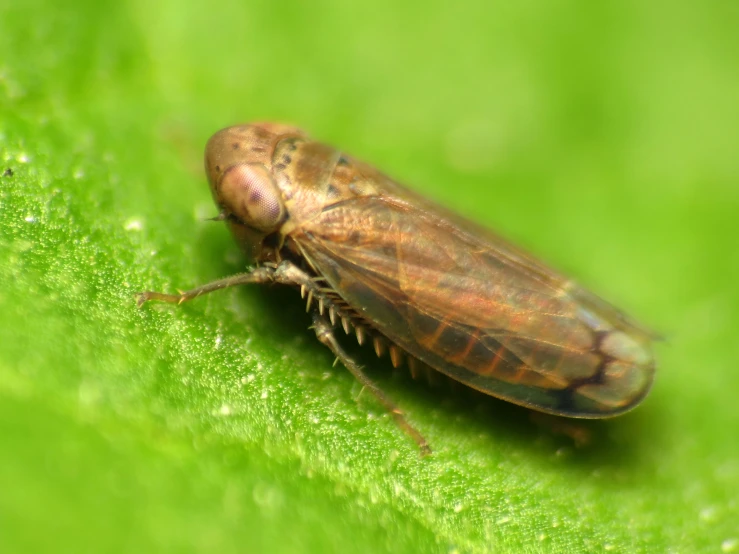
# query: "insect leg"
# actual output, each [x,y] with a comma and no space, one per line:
[325,334]
[556,425]
[263,274]
[286,273]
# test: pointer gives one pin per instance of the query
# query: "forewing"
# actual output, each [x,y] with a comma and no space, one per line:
[477,309]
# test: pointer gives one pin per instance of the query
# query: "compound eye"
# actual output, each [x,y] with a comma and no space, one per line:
[249,192]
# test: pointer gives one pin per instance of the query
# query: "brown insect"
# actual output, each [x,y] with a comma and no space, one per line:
[417,281]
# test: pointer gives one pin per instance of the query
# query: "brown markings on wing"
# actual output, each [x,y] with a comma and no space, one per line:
[478,310]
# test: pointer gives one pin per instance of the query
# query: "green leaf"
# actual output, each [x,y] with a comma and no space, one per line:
[602,137]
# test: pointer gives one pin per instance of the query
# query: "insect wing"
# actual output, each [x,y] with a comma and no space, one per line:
[481,312]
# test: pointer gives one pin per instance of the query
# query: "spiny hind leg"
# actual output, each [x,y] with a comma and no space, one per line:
[325,334]
[289,274]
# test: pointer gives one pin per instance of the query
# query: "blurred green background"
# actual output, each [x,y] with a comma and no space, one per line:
[602,136]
